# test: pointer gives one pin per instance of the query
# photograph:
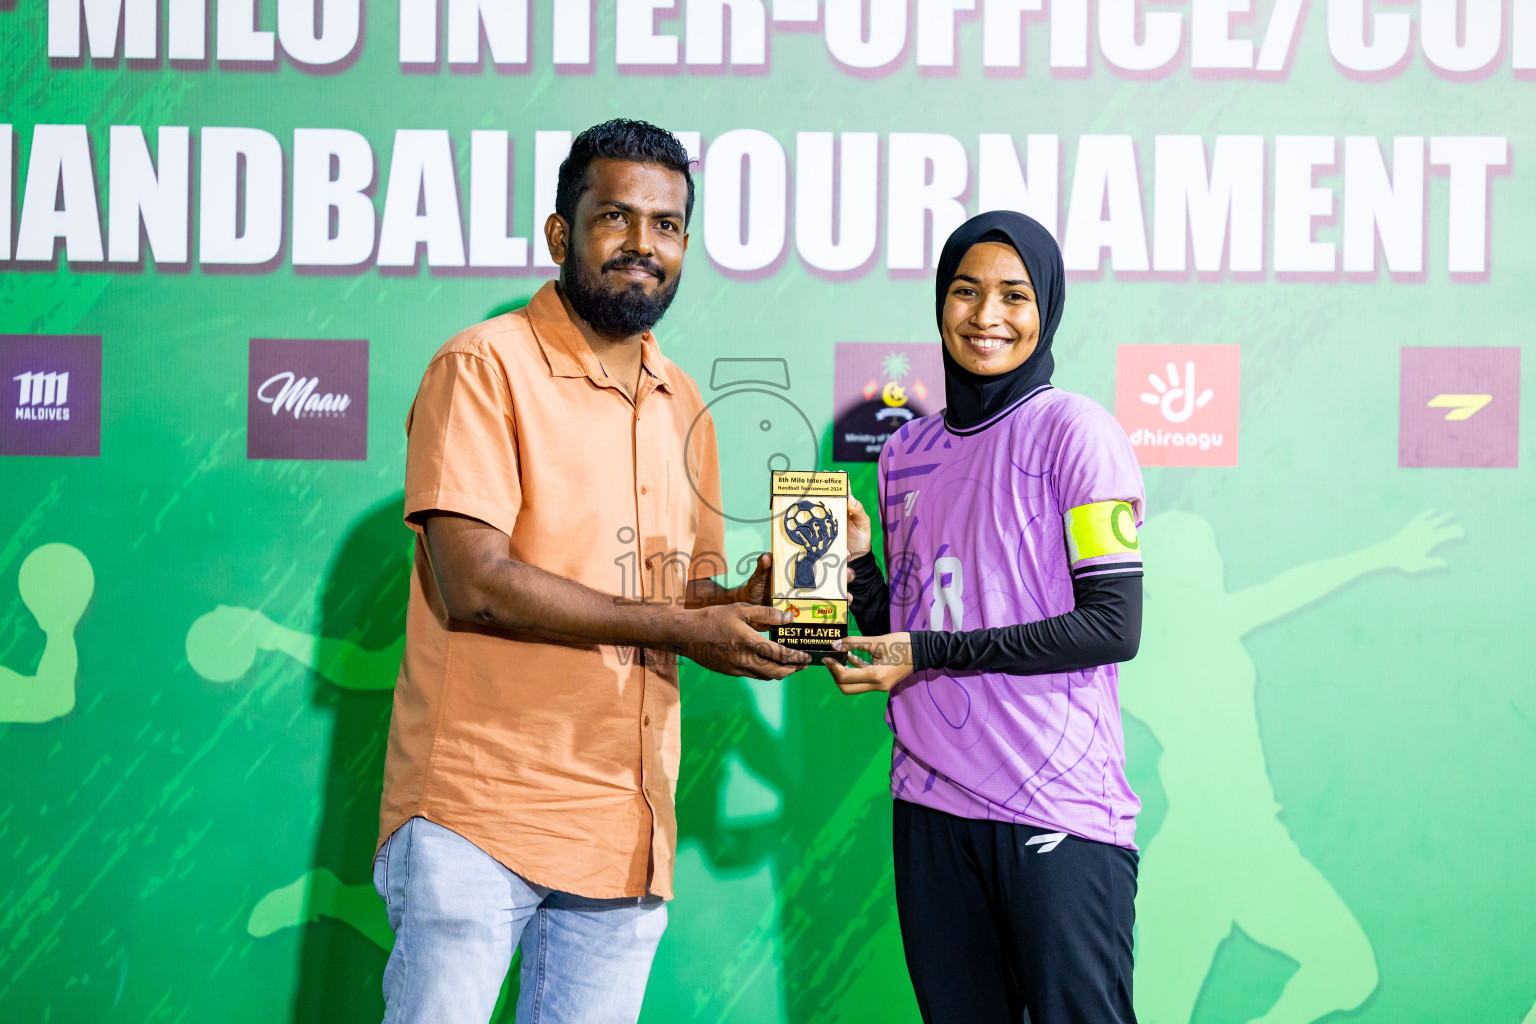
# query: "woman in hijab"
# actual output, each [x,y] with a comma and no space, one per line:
[1010,534]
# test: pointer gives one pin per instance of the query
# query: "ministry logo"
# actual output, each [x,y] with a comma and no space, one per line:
[307,399]
[876,389]
[51,398]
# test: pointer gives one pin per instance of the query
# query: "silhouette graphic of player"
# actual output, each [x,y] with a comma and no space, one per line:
[56,584]
[221,647]
[1222,857]
[223,644]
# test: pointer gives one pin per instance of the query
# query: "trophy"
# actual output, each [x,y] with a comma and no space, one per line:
[810,558]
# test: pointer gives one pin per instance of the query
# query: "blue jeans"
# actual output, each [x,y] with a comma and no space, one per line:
[458,914]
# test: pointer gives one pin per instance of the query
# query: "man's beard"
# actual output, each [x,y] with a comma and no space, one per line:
[622,313]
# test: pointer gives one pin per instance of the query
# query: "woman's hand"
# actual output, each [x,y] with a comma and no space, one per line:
[859,530]
[889,661]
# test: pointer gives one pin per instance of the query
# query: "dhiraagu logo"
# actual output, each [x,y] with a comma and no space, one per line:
[1176,399]
[1178,403]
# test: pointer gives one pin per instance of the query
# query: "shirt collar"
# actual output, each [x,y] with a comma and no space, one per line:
[567,351]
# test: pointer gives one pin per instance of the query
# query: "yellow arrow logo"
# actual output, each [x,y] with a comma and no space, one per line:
[1462,406]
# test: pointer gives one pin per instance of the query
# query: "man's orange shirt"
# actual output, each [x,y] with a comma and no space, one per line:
[559,760]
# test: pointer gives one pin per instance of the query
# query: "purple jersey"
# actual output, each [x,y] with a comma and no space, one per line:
[974,538]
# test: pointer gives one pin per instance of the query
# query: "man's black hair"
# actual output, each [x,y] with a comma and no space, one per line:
[620,139]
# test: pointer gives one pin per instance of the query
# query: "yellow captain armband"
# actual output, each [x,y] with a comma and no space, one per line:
[1102,541]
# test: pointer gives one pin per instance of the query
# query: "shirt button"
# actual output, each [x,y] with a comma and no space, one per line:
[644,489]
[647,720]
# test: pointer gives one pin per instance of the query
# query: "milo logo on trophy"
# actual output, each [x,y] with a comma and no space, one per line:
[810,556]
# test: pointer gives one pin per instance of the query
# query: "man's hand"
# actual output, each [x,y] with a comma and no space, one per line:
[755,590]
[889,662]
[481,585]
[727,638]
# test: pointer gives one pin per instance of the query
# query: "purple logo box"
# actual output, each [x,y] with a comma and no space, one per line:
[307,399]
[1459,407]
[877,388]
[50,394]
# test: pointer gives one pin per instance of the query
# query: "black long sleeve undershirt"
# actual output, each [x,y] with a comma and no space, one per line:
[869,596]
[1104,627]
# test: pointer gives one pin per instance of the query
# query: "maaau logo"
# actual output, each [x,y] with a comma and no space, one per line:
[285,393]
[1178,403]
[307,399]
[51,395]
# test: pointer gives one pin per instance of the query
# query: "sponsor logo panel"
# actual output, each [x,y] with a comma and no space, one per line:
[51,390]
[1459,407]
[1179,403]
[876,389]
[307,399]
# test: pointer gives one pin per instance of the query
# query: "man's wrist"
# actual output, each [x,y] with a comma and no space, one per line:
[704,592]
[667,626]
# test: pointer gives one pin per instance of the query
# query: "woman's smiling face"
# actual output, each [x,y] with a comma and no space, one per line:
[991,322]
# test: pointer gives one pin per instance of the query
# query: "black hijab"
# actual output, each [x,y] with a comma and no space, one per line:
[972,397]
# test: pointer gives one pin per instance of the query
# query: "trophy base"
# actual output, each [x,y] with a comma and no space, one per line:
[818,624]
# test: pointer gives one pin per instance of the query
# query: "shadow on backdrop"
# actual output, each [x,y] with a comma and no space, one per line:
[361,639]
[787,779]
[353,659]
[357,659]
[354,656]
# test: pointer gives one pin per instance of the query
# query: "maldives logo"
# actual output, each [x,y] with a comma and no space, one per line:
[52,394]
[1459,407]
[1178,403]
[307,399]
[44,396]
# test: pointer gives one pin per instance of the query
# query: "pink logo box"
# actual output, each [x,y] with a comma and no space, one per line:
[1179,403]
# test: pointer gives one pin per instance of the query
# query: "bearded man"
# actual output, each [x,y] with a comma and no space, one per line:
[562,481]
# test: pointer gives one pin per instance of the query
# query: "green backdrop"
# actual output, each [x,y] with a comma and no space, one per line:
[1331,723]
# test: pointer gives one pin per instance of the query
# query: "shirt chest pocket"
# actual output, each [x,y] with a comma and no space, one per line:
[667,555]
[682,506]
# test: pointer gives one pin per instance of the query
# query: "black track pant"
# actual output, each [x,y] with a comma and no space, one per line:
[994,925]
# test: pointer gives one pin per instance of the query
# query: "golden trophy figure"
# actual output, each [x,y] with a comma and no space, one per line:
[810,558]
